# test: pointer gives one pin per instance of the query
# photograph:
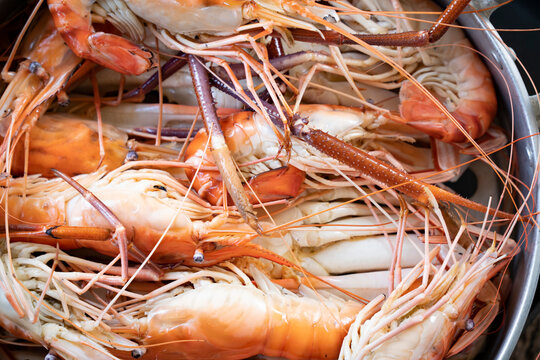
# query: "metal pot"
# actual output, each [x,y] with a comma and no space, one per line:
[514,99]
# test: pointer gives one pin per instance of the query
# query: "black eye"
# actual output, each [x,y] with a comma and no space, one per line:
[160,187]
[137,353]
[132,156]
[50,356]
[34,67]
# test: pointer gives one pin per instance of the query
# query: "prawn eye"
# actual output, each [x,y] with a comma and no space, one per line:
[469,325]
[50,356]
[198,256]
[160,187]
[137,353]
[132,156]
[34,67]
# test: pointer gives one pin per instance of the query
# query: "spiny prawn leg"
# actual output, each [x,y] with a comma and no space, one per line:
[408,38]
[120,233]
[220,151]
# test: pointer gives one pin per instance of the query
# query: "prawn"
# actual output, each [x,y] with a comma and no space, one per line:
[70,144]
[250,139]
[422,317]
[39,308]
[450,70]
[468,92]
[174,320]
[47,68]
[313,12]
[145,201]
[243,320]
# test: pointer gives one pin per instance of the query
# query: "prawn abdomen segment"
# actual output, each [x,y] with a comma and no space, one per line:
[206,321]
[70,145]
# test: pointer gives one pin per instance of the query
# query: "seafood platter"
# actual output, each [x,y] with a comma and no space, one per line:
[346,179]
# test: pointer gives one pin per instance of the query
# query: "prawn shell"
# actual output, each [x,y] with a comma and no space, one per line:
[238,322]
[474,110]
[70,145]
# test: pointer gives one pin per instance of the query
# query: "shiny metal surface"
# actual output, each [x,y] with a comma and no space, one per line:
[514,101]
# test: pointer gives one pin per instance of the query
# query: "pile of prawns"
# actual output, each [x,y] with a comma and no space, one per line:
[282,198]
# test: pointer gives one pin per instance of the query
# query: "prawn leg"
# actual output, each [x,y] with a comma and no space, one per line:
[169,68]
[57,232]
[220,151]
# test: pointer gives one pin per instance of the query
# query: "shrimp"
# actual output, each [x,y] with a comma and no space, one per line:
[39,310]
[451,70]
[422,317]
[242,320]
[250,139]
[170,321]
[467,92]
[145,201]
[69,144]
[47,68]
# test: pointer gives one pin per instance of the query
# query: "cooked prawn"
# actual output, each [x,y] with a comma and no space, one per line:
[467,91]
[48,66]
[423,315]
[145,201]
[242,320]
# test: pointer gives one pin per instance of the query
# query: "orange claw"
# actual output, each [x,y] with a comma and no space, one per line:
[73,20]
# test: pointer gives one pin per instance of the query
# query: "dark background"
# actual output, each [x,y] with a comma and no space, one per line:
[522,14]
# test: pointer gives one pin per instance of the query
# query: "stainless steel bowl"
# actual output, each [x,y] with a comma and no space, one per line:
[515,100]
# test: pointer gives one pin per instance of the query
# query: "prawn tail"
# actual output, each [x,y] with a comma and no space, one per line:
[418,111]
